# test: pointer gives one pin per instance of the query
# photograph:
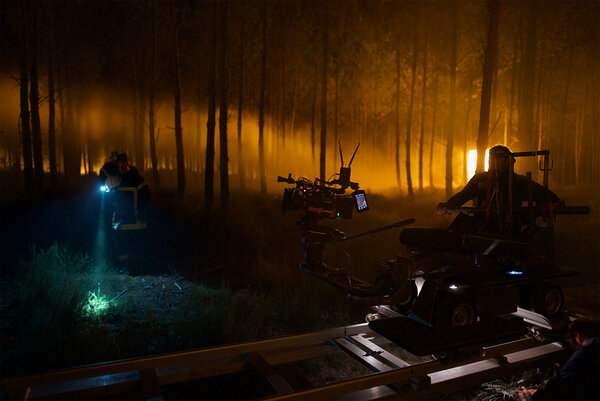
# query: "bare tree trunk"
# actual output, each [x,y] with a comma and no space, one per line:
[178,128]
[372,125]
[151,111]
[70,153]
[409,118]
[34,103]
[467,130]
[223,154]
[209,173]
[423,105]
[565,138]
[74,125]
[489,67]
[283,94]
[134,108]
[324,94]
[595,173]
[452,112]
[51,104]
[261,107]
[88,159]
[433,122]
[240,157]
[577,148]
[540,107]
[63,115]
[526,132]
[397,148]
[293,117]
[314,112]
[139,151]
[513,91]
[335,112]
[25,116]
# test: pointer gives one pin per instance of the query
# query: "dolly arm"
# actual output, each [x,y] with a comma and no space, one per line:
[384,228]
[539,209]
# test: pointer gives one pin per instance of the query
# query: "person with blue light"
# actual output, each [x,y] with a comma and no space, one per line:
[109,178]
[132,198]
[109,175]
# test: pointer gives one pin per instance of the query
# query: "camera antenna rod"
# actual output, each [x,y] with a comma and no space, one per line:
[341,156]
[354,154]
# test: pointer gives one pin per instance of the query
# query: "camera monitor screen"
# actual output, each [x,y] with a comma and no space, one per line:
[361,201]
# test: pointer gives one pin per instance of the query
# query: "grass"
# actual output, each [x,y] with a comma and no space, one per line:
[41,309]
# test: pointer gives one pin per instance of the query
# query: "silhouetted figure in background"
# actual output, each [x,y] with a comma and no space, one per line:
[129,219]
[579,377]
[109,179]
[109,173]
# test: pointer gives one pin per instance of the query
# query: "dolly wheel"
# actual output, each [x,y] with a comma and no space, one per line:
[462,315]
[456,312]
[549,301]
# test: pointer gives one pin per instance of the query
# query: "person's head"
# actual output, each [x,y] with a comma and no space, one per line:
[123,163]
[114,156]
[499,158]
[583,329]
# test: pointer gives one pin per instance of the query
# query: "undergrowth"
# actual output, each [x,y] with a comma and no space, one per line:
[63,309]
[41,309]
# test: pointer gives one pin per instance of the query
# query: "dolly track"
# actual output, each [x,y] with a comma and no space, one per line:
[393,378]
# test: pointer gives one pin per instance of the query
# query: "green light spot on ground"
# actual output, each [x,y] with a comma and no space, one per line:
[96,304]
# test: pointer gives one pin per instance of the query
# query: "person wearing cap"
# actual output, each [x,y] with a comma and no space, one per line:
[109,173]
[490,188]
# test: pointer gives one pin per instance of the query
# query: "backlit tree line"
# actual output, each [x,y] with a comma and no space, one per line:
[417,83]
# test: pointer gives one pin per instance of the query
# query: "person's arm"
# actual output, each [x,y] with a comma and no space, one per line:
[540,196]
[468,192]
[460,198]
[557,388]
[102,174]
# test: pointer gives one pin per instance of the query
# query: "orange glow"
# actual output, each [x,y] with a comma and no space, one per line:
[472,161]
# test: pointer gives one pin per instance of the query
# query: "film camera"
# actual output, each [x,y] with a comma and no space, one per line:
[318,200]
[325,199]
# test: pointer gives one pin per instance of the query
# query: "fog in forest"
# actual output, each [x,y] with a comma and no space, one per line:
[415,83]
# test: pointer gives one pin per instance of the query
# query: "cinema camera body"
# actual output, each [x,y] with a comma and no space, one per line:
[322,199]
[325,199]
[318,200]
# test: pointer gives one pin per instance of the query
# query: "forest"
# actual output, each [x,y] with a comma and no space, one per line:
[212,100]
[204,96]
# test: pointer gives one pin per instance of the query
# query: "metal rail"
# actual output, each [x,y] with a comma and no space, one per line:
[393,376]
